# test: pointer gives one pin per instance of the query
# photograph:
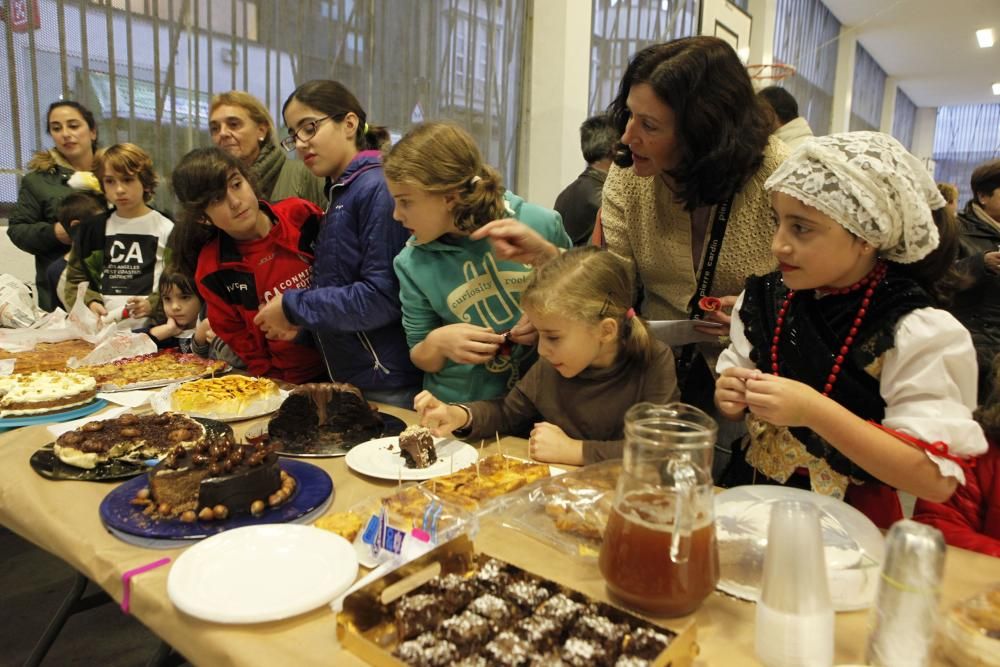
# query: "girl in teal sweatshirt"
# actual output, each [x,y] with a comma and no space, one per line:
[461,304]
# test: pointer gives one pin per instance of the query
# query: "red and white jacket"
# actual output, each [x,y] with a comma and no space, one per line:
[971,517]
[235,278]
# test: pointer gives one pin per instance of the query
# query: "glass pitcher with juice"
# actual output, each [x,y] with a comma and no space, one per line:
[659,553]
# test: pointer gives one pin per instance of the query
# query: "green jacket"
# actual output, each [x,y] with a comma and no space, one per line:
[454,280]
[279,177]
[31,224]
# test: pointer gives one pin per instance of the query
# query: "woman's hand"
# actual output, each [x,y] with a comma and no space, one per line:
[440,418]
[139,307]
[730,390]
[465,343]
[992,261]
[719,316]
[272,321]
[550,444]
[97,308]
[782,401]
[62,235]
[513,240]
[524,332]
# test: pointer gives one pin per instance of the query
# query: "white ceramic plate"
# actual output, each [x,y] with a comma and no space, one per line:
[261,573]
[381,458]
[160,402]
[852,545]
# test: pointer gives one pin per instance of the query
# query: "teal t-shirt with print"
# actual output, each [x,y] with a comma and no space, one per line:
[456,280]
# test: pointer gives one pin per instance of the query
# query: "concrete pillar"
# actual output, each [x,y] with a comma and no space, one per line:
[923,132]
[840,119]
[764,13]
[888,104]
[555,98]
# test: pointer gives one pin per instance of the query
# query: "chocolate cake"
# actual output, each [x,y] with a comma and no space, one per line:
[416,444]
[218,480]
[323,415]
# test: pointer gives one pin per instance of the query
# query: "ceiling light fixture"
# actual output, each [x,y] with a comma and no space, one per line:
[985,38]
[996,88]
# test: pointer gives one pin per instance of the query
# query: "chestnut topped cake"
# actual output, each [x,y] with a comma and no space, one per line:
[134,437]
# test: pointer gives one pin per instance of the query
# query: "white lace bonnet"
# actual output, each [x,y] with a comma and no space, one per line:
[869,184]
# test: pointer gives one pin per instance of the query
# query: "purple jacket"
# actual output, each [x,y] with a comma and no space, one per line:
[353,303]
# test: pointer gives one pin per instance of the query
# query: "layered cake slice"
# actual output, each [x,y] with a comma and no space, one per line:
[135,437]
[214,481]
[323,415]
[416,444]
[42,392]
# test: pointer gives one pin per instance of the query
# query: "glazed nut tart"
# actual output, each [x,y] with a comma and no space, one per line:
[229,395]
[47,391]
[129,437]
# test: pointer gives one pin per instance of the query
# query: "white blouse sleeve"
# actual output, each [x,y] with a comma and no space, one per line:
[738,352]
[929,386]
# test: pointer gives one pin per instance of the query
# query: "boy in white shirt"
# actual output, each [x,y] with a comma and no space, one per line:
[121,254]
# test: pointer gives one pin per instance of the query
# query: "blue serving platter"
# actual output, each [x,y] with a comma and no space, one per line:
[54,417]
[312,489]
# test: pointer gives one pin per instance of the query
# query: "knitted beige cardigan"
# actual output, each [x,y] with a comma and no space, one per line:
[645,225]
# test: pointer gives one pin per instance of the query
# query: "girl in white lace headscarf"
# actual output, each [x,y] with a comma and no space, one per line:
[852,383]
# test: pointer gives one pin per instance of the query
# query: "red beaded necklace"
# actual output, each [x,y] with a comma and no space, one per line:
[871,281]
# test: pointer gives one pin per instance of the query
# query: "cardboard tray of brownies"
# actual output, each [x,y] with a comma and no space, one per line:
[455,607]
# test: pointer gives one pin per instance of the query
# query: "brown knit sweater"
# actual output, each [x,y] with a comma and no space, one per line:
[589,407]
[648,227]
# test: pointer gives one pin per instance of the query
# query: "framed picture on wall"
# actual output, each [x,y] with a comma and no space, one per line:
[723,19]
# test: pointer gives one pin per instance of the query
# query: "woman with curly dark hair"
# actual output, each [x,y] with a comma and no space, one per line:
[685,204]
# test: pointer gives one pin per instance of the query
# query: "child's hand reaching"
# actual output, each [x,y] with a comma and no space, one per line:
[139,307]
[465,343]
[203,332]
[781,401]
[550,444]
[524,332]
[440,418]
[97,308]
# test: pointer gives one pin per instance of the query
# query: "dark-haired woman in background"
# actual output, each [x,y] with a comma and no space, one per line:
[353,303]
[34,226]
[685,204]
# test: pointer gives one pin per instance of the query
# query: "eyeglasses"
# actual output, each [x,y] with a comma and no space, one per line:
[305,132]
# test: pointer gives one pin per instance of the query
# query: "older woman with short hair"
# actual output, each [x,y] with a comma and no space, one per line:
[241,126]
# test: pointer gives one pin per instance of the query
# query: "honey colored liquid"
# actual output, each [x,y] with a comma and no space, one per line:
[635,559]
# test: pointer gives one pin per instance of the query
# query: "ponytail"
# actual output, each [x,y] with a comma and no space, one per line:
[589,284]
[937,272]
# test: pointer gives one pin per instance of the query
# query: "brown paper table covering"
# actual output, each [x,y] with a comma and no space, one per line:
[62,518]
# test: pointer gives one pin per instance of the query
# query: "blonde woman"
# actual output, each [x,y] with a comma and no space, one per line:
[242,126]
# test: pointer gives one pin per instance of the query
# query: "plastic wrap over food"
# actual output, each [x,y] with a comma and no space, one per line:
[570,511]
[970,634]
[379,527]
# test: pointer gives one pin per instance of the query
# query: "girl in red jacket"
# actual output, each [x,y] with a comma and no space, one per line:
[971,517]
[247,252]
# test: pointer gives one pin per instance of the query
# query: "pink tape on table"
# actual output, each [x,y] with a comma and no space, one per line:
[127,580]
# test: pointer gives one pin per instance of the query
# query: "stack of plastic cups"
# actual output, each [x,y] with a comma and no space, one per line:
[904,619]
[794,614]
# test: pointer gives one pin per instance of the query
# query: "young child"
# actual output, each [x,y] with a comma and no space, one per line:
[185,327]
[248,252]
[352,305]
[122,253]
[597,360]
[459,300]
[970,519]
[74,209]
[845,366]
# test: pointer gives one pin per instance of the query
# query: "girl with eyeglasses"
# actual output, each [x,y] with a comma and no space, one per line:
[352,305]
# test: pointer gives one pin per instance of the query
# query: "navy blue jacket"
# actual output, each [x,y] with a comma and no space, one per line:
[353,303]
